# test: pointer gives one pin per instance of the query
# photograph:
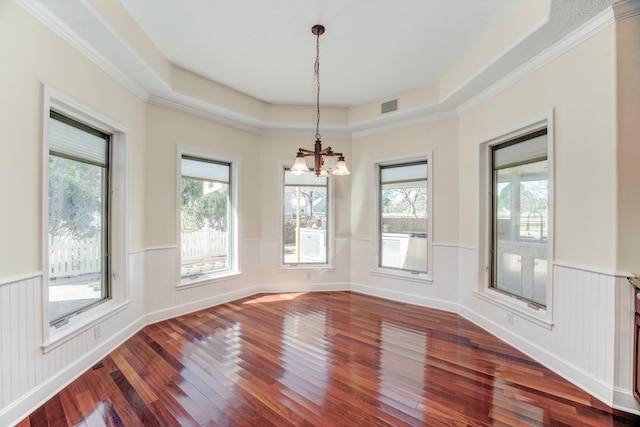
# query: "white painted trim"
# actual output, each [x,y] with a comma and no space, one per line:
[190,307]
[624,9]
[160,248]
[329,265]
[41,12]
[393,295]
[320,268]
[484,202]
[624,401]
[578,36]
[304,287]
[88,320]
[604,271]
[402,275]
[234,226]
[446,245]
[376,164]
[27,403]
[208,279]
[118,218]
[515,306]
[400,119]
[584,380]
[19,278]
[189,103]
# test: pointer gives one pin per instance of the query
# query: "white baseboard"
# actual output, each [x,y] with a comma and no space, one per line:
[624,401]
[405,298]
[582,379]
[190,307]
[304,287]
[25,405]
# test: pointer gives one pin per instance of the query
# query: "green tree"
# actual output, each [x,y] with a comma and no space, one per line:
[200,209]
[75,198]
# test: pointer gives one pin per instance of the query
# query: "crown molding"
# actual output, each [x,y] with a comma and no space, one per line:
[624,9]
[597,24]
[147,85]
[246,123]
[401,119]
[42,13]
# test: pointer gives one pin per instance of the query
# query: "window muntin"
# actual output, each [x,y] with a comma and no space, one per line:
[78,217]
[520,218]
[205,217]
[403,217]
[305,219]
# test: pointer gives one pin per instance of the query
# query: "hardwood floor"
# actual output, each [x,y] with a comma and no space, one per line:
[326,359]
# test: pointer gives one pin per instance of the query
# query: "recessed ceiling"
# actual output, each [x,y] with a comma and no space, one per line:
[371,48]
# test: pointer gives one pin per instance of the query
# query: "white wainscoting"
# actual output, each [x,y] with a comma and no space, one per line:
[441,293]
[625,327]
[591,338]
[590,343]
[164,299]
[29,376]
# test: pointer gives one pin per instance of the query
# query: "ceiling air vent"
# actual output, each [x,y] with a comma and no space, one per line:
[389,106]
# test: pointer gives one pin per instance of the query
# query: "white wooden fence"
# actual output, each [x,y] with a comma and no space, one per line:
[70,257]
[206,243]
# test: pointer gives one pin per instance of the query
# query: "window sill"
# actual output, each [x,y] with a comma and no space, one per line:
[518,307]
[424,278]
[305,268]
[81,323]
[207,279]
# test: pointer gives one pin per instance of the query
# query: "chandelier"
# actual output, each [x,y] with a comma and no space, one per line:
[324,159]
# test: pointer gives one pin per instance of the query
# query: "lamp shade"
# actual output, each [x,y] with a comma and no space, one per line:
[329,162]
[300,165]
[341,167]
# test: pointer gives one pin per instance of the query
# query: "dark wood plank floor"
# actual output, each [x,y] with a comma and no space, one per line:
[326,359]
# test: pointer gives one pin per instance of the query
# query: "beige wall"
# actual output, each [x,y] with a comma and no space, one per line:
[628,160]
[38,57]
[579,87]
[166,130]
[277,151]
[438,137]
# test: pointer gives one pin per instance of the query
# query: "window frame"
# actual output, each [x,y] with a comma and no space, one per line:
[105,233]
[377,269]
[118,300]
[233,268]
[542,316]
[329,264]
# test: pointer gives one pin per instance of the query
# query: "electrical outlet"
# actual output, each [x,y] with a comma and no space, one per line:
[510,318]
[97,332]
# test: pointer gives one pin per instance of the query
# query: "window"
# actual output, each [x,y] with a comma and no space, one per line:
[403,216]
[520,217]
[206,226]
[305,227]
[78,217]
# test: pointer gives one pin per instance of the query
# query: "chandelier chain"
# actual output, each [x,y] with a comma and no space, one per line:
[317,73]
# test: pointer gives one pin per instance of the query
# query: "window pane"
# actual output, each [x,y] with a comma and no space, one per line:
[77,238]
[520,221]
[403,217]
[305,219]
[205,224]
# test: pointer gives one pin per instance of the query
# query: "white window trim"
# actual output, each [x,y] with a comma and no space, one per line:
[540,316]
[234,231]
[329,265]
[118,279]
[427,277]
